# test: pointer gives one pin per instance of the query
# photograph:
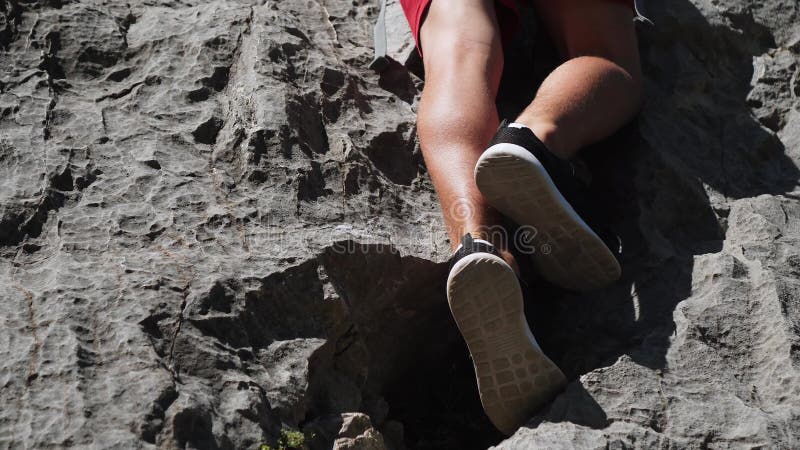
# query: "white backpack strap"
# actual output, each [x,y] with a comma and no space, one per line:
[639,17]
[381,61]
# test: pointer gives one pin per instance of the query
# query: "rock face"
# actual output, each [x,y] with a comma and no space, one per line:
[216,227]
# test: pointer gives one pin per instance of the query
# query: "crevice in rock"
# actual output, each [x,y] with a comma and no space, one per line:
[304,119]
[176,331]
[33,359]
[10,18]
[52,67]
[257,146]
[121,93]
[124,25]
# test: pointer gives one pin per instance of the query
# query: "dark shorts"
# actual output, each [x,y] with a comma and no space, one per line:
[507,16]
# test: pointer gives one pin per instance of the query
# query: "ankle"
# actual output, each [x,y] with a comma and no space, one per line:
[547,132]
[499,241]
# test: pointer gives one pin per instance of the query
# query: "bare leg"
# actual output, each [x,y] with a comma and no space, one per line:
[457,115]
[598,88]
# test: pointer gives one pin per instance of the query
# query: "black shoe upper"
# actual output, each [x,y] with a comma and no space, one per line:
[470,246]
[562,172]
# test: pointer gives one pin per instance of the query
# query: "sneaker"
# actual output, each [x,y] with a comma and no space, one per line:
[515,378]
[519,176]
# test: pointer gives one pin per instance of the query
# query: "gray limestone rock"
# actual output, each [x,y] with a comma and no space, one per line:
[216,226]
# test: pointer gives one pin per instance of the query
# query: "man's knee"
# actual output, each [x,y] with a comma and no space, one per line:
[461,34]
[620,53]
[446,124]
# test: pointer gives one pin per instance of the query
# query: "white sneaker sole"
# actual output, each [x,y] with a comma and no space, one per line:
[515,379]
[565,250]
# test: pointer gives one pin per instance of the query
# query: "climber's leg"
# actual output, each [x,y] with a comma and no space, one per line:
[585,99]
[463,60]
[598,88]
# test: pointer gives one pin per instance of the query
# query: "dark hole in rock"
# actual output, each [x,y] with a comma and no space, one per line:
[207,132]
[393,154]
[417,360]
[218,80]
[305,119]
[216,42]
[98,56]
[150,324]
[119,75]
[331,108]
[49,61]
[193,428]
[31,248]
[152,163]
[219,299]
[63,181]
[257,145]
[397,80]
[296,33]
[199,95]
[332,81]
[436,399]
[154,420]
[258,176]
[85,180]
[311,183]
[12,17]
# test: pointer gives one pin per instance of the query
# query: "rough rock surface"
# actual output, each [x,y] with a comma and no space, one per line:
[215,226]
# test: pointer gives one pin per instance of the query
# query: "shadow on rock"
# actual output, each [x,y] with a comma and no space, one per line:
[314,348]
[396,78]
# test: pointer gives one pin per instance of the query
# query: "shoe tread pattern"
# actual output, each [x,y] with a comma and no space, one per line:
[565,251]
[514,377]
